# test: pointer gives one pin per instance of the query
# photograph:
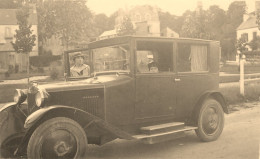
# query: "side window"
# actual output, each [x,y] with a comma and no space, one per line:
[154,57]
[192,58]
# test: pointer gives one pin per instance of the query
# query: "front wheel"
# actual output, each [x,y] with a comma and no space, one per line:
[57,138]
[210,120]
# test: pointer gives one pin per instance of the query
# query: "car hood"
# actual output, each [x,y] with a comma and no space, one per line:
[91,83]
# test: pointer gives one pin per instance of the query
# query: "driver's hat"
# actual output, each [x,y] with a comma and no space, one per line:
[77,54]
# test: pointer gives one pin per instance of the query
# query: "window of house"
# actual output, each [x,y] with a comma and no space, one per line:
[148,29]
[8,32]
[138,17]
[245,36]
[154,57]
[147,17]
[192,58]
[254,35]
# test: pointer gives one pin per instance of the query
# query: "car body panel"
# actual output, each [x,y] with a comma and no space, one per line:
[120,103]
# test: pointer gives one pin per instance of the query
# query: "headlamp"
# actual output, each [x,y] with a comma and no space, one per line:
[40,98]
[20,96]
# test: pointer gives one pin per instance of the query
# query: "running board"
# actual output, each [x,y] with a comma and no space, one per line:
[163,136]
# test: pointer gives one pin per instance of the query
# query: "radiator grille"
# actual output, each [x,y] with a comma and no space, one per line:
[91,104]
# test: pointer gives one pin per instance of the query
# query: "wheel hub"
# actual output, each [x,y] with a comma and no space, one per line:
[62,148]
[210,120]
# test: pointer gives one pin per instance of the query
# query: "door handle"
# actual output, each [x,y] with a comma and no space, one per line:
[177,80]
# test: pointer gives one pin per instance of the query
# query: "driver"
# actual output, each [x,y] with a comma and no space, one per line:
[152,65]
[79,68]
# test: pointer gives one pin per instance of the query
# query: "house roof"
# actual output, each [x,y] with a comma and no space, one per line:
[167,29]
[6,47]
[8,17]
[108,33]
[249,23]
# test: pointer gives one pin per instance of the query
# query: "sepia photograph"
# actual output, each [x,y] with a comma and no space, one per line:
[129,79]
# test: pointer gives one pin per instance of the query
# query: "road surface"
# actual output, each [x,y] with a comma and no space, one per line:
[239,140]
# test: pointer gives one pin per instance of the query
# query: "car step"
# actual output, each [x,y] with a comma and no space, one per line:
[155,129]
[163,136]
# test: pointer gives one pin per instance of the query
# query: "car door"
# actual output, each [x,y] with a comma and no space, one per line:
[194,74]
[155,90]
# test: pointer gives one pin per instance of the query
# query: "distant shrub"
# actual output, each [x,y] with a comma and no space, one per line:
[43,61]
[231,92]
[54,74]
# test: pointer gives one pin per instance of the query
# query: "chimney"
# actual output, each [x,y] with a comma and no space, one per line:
[199,8]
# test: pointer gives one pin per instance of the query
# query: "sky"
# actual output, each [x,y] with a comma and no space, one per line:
[175,7]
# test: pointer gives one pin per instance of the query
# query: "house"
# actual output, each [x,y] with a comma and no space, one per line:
[108,34]
[145,20]
[248,29]
[167,32]
[9,59]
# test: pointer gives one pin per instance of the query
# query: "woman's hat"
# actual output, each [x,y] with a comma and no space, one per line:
[77,54]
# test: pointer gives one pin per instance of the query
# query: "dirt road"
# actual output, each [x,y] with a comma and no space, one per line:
[240,140]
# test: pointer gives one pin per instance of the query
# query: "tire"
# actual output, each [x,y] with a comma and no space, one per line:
[210,120]
[56,138]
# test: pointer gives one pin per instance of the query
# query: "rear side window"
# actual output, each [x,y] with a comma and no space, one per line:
[192,58]
[154,57]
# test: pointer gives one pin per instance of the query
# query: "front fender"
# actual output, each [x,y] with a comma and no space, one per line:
[11,124]
[84,119]
[76,114]
[39,114]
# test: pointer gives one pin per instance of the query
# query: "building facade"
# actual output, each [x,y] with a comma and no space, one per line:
[248,29]
[9,59]
[145,20]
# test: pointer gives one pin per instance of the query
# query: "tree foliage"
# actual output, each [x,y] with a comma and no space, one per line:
[70,20]
[241,44]
[194,25]
[24,38]
[126,28]
[255,43]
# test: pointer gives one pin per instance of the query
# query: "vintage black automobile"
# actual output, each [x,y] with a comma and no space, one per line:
[150,89]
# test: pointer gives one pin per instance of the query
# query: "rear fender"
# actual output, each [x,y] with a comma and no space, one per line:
[210,94]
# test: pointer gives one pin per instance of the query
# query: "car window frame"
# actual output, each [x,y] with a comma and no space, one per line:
[193,42]
[155,40]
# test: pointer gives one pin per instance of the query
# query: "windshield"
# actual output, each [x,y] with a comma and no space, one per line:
[112,58]
[79,64]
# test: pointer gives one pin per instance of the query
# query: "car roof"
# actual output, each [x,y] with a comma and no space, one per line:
[124,39]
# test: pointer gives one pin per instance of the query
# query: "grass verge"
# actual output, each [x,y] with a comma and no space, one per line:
[231,92]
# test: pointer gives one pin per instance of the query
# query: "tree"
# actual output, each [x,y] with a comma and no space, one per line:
[24,38]
[69,20]
[216,18]
[171,21]
[255,43]
[235,12]
[194,25]
[126,28]
[101,23]
[241,44]
[234,18]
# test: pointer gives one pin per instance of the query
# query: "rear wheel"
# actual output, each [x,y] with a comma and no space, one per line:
[57,138]
[210,120]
